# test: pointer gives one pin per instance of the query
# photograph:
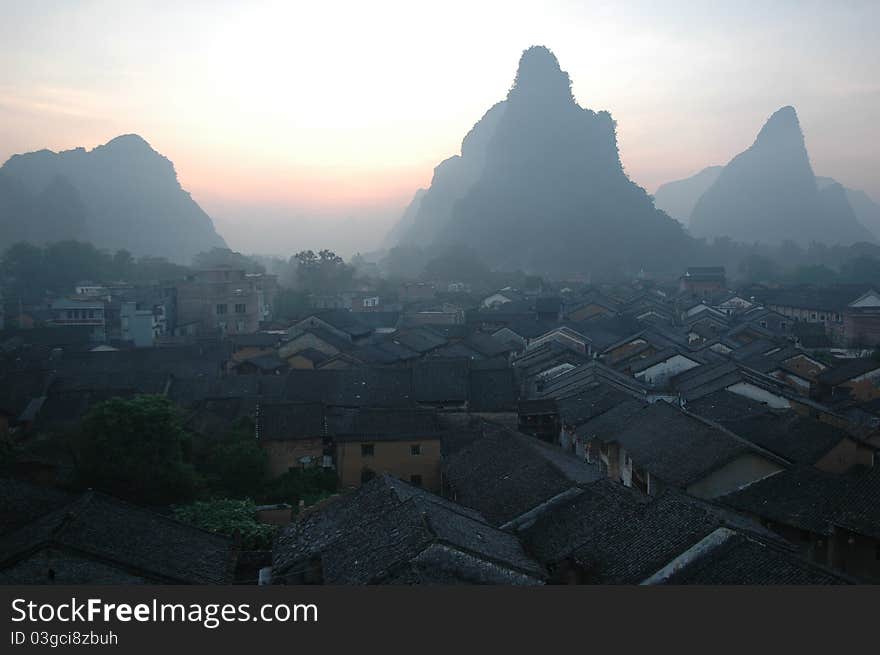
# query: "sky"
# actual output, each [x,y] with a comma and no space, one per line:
[311,124]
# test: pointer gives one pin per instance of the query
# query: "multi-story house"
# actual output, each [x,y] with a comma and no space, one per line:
[223,300]
[80,312]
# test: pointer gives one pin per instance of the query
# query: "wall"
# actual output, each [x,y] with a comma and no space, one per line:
[845,455]
[734,475]
[284,455]
[761,395]
[199,296]
[659,373]
[588,311]
[304,342]
[856,555]
[865,387]
[393,457]
[805,366]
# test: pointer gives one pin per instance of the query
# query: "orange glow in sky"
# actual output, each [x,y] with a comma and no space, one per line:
[282,114]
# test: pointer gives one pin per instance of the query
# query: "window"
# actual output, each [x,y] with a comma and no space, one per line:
[813,316]
[367,449]
[415,449]
[783,325]
[221,309]
[367,475]
[416,480]
[240,308]
[821,317]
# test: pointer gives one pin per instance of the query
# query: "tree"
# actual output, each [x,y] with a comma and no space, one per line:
[406,262]
[226,258]
[24,271]
[457,264]
[325,272]
[307,484]
[136,449]
[757,268]
[123,263]
[236,466]
[816,274]
[229,517]
[290,303]
[861,269]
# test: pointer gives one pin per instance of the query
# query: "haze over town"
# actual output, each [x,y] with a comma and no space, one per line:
[290,139]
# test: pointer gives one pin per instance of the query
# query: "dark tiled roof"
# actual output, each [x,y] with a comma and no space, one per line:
[612,422]
[741,560]
[440,380]
[383,424]
[186,391]
[383,353]
[255,340]
[799,439]
[860,509]
[313,355]
[457,350]
[140,541]
[677,448]
[356,387]
[587,374]
[526,326]
[506,474]
[330,338]
[590,402]
[659,357]
[216,417]
[290,421]
[487,345]
[491,390]
[22,502]
[723,405]
[65,409]
[617,536]
[420,340]
[833,299]
[847,371]
[432,536]
[267,362]
[802,497]
[391,532]
[202,359]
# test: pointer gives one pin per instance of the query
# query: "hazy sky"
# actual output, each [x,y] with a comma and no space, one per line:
[300,124]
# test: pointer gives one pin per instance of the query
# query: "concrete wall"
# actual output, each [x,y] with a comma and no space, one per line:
[285,455]
[844,456]
[761,395]
[393,457]
[734,475]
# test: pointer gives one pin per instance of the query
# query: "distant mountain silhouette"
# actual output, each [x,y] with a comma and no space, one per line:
[407,220]
[56,210]
[866,210]
[677,198]
[769,193]
[539,186]
[431,209]
[120,195]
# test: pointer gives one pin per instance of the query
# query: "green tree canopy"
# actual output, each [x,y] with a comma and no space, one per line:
[136,449]
[229,517]
[236,466]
